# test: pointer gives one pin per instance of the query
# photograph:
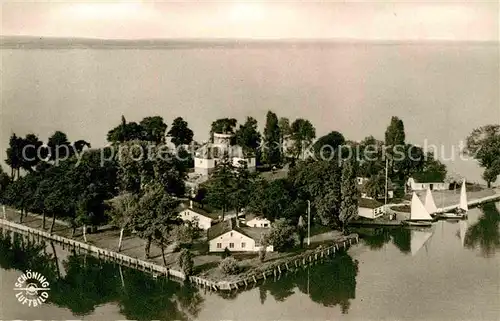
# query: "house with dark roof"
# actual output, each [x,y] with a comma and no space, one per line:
[193,213]
[236,237]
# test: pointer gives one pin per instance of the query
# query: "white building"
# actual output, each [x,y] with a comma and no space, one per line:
[195,214]
[257,221]
[207,156]
[369,208]
[236,237]
[414,184]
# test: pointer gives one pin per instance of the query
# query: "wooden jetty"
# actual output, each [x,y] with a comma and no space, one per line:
[375,222]
[250,278]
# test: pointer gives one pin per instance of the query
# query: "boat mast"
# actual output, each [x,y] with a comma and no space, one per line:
[386,174]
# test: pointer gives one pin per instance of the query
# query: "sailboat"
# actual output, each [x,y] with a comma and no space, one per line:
[419,216]
[463,206]
[430,205]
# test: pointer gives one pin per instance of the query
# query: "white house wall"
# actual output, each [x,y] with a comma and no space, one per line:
[259,223]
[203,222]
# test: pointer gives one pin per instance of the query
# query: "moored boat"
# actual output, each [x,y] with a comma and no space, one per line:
[430,205]
[419,216]
[463,207]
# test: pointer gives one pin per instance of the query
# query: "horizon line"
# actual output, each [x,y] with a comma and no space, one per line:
[242,39]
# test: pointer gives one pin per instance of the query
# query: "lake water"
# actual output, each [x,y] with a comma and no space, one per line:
[449,272]
[442,91]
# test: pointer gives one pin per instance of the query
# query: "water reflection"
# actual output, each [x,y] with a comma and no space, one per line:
[90,282]
[485,232]
[480,231]
[330,283]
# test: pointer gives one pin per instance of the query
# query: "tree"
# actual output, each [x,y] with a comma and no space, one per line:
[490,174]
[221,186]
[285,130]
[271,151]
[248,137]
[303,133]
[222,126]
[187,232]
[59,146]
[244,184]
[14,155]
[156,215]
[349,205]
[273,200]
[140,164]
[4,183]
[121,210]
[80,144]
[410,162]
[229,266]
[126,132]
[263,247]
[186,262]
[180,132]
[31,145]
[394,138]
[326,146]
[375,186]
[282,235]
[395,133]
[319,182]
[371,158]
[484,145]
[153,129]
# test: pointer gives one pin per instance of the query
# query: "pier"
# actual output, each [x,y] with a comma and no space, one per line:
[472,203]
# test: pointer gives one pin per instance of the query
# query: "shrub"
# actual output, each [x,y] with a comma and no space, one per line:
[226,253]
[229,265]
[186,262]
[282,235]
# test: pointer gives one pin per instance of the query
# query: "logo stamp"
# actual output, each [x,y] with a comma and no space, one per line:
[32,288]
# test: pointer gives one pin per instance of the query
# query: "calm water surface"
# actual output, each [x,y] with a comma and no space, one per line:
[449,272]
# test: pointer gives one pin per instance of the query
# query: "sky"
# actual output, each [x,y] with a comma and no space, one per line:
[367,20]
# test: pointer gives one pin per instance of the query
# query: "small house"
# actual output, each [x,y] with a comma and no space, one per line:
[257,221]
[236,237]
[415,184]
[199,215]
[369,208]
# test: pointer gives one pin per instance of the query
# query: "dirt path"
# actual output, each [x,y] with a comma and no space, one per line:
[106,238]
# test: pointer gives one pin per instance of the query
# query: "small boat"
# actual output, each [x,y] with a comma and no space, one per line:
[463,207]
[419,216]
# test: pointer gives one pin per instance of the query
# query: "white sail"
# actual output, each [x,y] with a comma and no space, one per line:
[463,198]
[463,231]
[418,211]
[418,240]
[430,205]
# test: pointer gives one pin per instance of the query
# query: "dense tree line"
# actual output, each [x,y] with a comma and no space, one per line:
[137,187]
